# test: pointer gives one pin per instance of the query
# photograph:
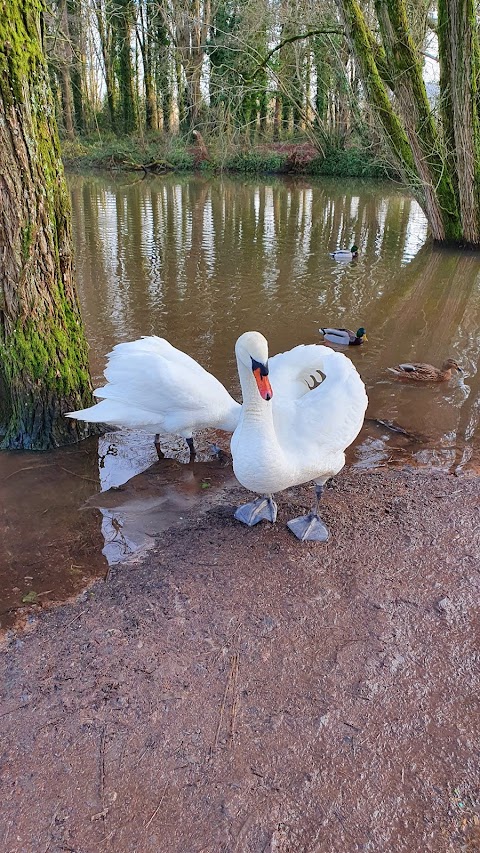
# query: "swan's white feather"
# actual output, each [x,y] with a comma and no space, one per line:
[301,434]
[155,387]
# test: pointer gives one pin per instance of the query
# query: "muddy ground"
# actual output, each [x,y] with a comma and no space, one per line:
[236,690]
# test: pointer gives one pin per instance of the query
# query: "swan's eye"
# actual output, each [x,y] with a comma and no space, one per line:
[260,372]
[257,365]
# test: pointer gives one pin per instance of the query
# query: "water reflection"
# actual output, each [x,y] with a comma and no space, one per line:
[200,260]
[141,497]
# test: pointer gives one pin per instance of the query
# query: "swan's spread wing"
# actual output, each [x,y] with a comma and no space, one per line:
[331,414]
[159,384]
[293,373]
[151,346]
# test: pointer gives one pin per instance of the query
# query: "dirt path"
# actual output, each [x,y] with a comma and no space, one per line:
[238,691]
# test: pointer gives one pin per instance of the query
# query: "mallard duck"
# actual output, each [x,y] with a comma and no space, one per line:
[345,336]
[154,387]
[345,254]
[301,410]
[420,372]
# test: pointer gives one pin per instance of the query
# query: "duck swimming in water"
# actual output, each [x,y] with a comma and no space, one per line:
[345,254]
[345,337]
[417,371]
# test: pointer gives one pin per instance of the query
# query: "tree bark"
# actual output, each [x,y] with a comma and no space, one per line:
[122,23]
[407,120]
[459,66]
[43,353]
[105,36]
[77,68]
[65,78]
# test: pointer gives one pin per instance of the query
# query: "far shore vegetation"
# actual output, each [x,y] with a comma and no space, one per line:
[157,153]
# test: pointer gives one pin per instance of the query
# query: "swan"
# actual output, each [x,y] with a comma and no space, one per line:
[293,427]
[155,387]
[417,371]
[345,254]
[345,336]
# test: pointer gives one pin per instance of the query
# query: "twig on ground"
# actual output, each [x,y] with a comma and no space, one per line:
[28,468]
[235,665]
[231,682]
[74,474]
[158,807]
[75,618]
[102,772]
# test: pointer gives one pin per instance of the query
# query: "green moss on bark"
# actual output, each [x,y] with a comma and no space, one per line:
[43,352]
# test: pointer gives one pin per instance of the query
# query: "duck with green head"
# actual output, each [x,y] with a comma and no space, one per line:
[345,337]
[345,254]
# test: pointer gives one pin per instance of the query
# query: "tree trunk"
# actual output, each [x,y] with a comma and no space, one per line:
[43,353]
[65,79]
[77,68]
[105,36]
[67,102]
[407,120]
[459,67]
[145,39]
[122,20]
[423,135]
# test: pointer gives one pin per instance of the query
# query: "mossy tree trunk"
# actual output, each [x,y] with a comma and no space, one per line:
[391,72]
[123,17]
[77,68]
[65,64]
[459,76]
[105,35]
[43,353]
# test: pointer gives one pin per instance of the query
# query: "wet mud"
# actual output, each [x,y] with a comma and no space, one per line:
[235,690]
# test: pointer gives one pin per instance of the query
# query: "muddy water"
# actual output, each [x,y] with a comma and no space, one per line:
[199,261]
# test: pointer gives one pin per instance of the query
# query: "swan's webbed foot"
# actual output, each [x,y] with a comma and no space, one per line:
[261,509]
[309,528]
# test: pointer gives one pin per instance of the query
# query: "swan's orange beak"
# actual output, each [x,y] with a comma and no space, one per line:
[263,382]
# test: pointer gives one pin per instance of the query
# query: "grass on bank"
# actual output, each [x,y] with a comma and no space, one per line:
[172,153]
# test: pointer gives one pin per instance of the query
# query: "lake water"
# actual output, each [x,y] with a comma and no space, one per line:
[200,260]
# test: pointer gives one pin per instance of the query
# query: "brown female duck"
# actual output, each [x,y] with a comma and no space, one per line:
[420,372]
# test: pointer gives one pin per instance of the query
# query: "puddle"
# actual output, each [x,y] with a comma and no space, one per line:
[136,510]
[66,516]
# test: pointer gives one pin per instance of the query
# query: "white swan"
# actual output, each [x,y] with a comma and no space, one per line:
[154,387]
[296,428]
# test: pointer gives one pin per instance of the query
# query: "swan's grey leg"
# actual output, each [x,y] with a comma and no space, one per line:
[191,448]
[262,508]
[310,528]
[160,453]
